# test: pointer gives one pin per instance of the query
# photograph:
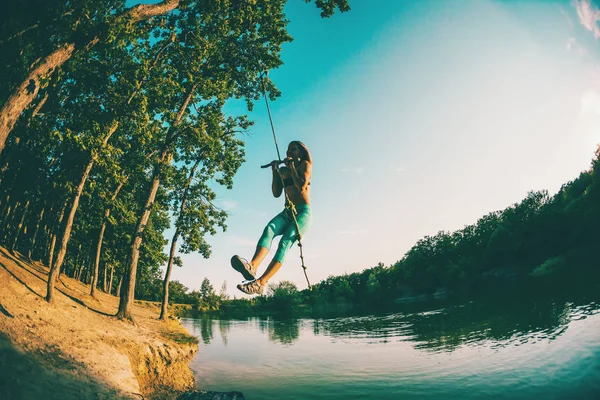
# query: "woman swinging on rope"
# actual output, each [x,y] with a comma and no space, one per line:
[294,178]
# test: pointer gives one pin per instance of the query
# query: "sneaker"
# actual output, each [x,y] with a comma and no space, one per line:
[243,267]
[252,287]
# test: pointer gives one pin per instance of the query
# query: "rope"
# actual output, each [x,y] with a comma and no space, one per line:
[262,82]
[288,203]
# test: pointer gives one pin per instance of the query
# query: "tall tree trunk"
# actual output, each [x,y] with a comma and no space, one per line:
[112,274]
[47,238]
[104,282]
[80,266]
[79,270]
[90,268]
[165,302]
[24,94]
[20,226]
[51,250]
[35,233]
[55,269]
[88,273]
[78,263]
[127,292]
[97,260]
[62,250]
[100,239]
[55,234]
[120,285]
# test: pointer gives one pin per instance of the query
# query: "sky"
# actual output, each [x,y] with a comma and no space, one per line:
[420,117]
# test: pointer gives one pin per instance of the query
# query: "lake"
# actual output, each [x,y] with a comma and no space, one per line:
[517,348]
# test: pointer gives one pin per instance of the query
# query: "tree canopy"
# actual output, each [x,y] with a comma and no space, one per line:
[113,122]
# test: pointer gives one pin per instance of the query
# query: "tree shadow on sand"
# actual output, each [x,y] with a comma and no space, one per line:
[48,374]
[20,281]
[5,311]
[26,268]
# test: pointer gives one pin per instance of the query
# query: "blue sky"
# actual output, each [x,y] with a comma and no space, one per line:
[420,116]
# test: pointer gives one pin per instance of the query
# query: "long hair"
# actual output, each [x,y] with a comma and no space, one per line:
[304,153]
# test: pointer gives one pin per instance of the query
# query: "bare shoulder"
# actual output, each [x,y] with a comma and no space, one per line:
[305,166]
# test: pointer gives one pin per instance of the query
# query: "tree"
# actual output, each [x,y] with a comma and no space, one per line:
[102,101]
[218,153]
[223,292]
[284,296]
[77,33]
[126,96]
[178,293]
[243,42]
[206,289]
[80,37]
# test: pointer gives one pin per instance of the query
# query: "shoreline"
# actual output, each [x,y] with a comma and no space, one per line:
[75,348]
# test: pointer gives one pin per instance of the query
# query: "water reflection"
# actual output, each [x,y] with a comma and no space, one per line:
[284,331]
[434,327]
[205,327]
[472,323]
[224,327]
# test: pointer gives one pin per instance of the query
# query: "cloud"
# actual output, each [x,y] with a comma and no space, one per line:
[575,47]
[589,15]
[356,170]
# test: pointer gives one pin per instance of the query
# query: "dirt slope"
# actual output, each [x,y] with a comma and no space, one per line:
[75,348]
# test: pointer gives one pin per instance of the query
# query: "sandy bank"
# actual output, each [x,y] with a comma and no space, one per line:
[75,348]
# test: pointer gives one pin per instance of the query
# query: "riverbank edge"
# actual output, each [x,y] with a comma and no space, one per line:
[78,344]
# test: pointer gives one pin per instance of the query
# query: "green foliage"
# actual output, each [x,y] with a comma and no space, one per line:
[178,293]
[31,29]
[328,6]
[206,299]
[282,289]
[284,297]
[118,104]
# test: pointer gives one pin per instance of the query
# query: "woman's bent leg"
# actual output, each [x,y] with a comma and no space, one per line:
[258,257]
[271,270]
[275,227]
[290,236]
